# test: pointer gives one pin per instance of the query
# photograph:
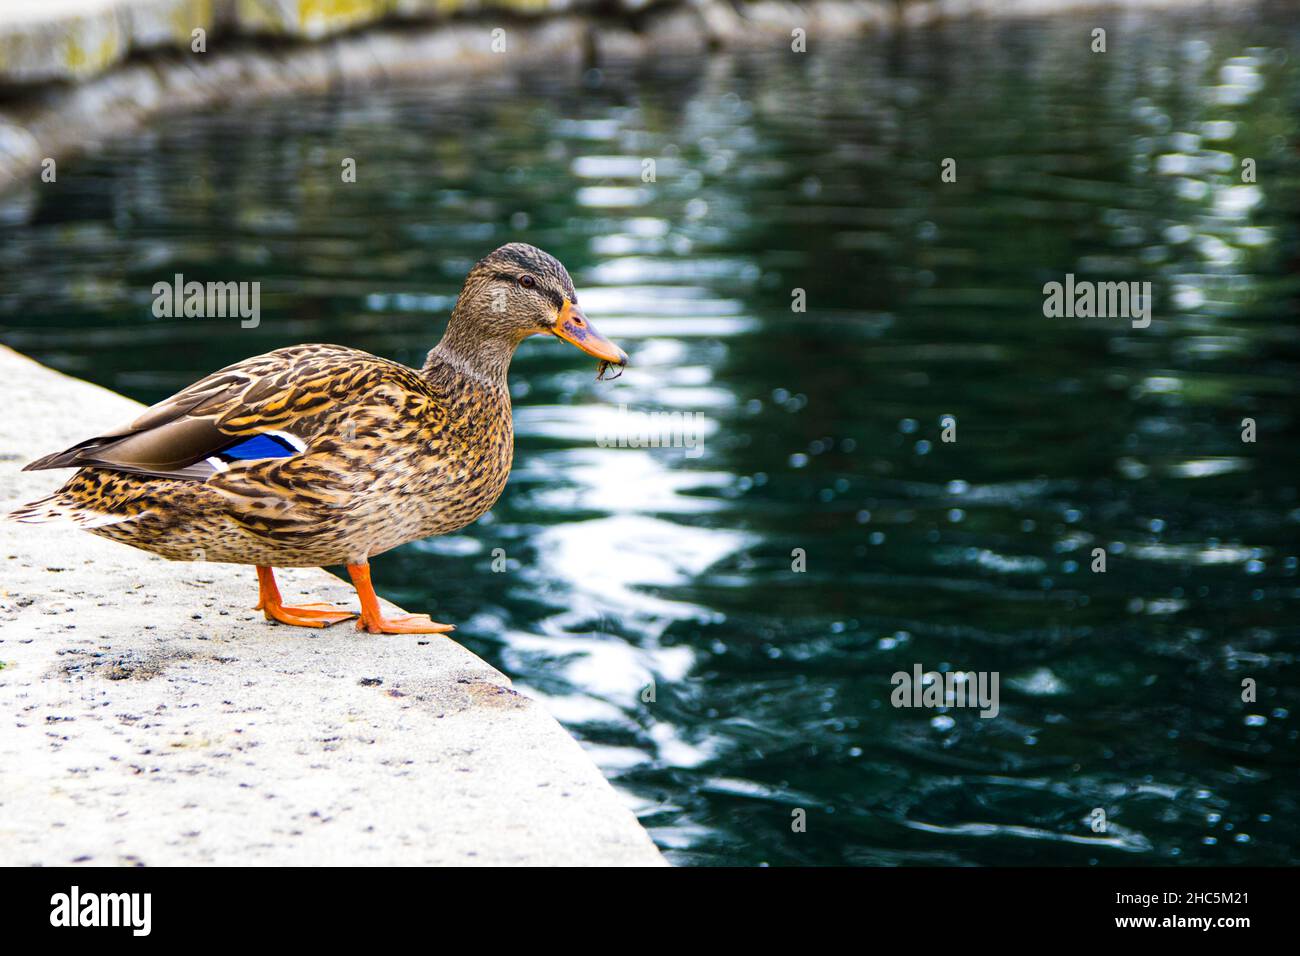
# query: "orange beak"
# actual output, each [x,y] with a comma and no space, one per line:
[572,326]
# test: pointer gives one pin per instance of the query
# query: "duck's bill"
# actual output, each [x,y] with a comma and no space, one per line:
[572,326]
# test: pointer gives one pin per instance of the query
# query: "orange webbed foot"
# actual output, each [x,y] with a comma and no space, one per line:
[373,619]
[270,604]
[307,615]
[403,624]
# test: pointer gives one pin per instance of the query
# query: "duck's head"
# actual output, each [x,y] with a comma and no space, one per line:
[517,291]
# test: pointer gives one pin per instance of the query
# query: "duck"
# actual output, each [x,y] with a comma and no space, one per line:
[324,455]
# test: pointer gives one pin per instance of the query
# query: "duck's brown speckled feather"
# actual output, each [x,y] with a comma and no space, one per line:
[392,454]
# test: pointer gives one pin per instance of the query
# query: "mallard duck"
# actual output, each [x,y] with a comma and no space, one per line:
[319,455]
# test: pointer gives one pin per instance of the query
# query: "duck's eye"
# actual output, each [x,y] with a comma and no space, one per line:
[527,282]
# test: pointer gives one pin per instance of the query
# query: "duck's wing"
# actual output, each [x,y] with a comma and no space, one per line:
[269,406]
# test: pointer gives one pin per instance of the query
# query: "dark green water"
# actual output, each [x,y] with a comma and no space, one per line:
[1119,691]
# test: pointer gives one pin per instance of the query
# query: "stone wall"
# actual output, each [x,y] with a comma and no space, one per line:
[73,71]
[75,39]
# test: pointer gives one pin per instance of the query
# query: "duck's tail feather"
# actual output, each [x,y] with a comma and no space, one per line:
[56,507]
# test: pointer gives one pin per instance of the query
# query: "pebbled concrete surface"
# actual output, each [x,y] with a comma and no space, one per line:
[148,716]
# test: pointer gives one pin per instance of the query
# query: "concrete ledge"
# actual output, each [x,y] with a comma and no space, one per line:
[149,717]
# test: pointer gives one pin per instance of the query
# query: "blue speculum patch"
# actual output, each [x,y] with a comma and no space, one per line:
[259,446]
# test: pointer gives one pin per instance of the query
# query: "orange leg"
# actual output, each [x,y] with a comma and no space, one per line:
[270,603]
[373,620]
